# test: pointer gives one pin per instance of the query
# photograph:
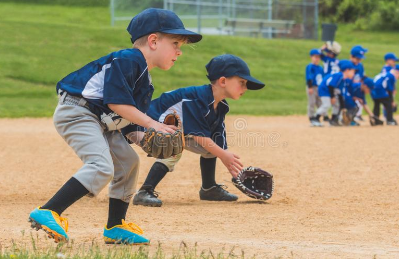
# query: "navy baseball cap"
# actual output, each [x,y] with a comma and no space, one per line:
[358,52]
[159,20]
[315,52]
[229,65]
[391,56]
[346,64]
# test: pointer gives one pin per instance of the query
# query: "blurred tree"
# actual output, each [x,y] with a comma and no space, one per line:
[366,14]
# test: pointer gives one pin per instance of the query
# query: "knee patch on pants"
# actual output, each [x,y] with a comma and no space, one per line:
[170,162]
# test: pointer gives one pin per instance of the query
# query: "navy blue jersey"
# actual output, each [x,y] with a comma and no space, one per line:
[330,65]
[359,73]
[359,93]
[334,80]
[314,73]
[194,105]
[121,77]
[382,84]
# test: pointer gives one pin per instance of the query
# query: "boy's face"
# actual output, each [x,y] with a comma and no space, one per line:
[349,73]
[315,59]
[330,54]
[166,52]
[391,62]
[356,60]
[235,87]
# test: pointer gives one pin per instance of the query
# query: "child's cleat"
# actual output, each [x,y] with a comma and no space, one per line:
[48,220]
[315,123]
[126,233]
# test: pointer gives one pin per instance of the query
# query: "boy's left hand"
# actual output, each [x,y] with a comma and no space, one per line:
[232,163]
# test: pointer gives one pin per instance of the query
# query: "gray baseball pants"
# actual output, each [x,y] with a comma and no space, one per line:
[106,155]
[313,101]
[326,105]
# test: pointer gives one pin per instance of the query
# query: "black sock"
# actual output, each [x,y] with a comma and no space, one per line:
[317,117]
[70,192]
[117,212]
[208,168]
[156,174]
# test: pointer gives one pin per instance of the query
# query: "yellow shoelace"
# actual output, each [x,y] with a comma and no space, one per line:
[63,221]
[133,227]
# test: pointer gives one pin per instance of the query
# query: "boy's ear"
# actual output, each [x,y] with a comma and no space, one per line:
[152,41]
[222,81]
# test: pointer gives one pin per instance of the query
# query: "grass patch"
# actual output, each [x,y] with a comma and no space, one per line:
[45,43]
[40,248]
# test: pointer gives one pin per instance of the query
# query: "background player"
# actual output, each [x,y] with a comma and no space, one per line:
[330,51]
[330,90]
[383,93]
[202,110]
[314,76]
[357,55]
[390,62]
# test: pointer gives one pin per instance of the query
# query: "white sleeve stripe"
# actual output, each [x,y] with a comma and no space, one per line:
[141,75]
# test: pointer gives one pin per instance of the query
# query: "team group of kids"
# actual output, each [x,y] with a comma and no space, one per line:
[342,85]
[108,101]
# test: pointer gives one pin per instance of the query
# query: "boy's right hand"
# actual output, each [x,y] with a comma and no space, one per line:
[232,163]
[310,90]
[157,126]
[333,100]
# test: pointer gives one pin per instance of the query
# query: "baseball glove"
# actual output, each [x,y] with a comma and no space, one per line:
[164,145]
[348,115]
[346,118]
[255,183]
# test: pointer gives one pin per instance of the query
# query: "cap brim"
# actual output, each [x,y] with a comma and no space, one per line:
[192,36]
[252,83]
[360,56]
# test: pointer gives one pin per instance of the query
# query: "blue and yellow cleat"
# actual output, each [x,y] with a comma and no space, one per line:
[48,220]
[126,233]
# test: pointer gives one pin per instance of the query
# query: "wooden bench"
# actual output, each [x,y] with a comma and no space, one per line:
[257,27]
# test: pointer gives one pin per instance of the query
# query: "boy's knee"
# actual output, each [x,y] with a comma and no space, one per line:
[103,165]
[133,161]
[170,162]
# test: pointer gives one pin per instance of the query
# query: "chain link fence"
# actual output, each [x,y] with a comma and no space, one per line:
[254,18]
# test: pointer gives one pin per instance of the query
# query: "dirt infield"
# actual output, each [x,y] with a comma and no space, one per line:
[336,191]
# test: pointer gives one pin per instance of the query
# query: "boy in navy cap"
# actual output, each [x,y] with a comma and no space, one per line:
[390,62]
[383,93]
[98,100]
[314,76]
[202,110]
[331,89]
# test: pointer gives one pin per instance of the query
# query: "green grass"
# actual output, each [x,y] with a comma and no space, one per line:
[41,248]
[41,44]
